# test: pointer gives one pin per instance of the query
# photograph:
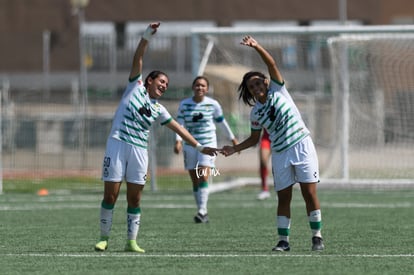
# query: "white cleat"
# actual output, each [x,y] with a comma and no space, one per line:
[263,195]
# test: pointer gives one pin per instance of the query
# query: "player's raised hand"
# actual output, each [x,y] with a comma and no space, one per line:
[249,41]
[154,26]
[151,30]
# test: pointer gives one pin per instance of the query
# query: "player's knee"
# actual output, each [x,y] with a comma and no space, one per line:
[109,199]
[133,202]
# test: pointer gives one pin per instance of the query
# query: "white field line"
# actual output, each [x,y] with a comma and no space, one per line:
[164,204]
[69,201]
[128,255]
[325,183]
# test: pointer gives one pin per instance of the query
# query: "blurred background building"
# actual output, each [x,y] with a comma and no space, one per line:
[26,24]
[64,65]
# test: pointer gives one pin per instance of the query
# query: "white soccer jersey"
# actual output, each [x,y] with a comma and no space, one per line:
[136,113]
[280,117]
[200,118]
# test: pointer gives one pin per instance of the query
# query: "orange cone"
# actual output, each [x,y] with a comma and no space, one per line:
[43,192]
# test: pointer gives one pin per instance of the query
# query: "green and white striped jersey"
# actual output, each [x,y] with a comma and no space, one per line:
[200,118]
[136,113]
[280,117]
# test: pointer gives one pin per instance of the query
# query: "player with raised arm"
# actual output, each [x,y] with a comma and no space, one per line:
[199,114]
[294,157]
[126,155]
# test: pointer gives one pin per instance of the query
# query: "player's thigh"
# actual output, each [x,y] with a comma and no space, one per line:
[137,165]
[265,144]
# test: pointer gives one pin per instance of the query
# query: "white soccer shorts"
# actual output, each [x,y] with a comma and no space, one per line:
[193,158]
[297,164]
[124,161]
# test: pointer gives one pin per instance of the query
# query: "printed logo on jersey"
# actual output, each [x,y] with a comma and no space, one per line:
[145,110]
[272,113]
[156,106]
[260,112]
[197,117]
[208,108]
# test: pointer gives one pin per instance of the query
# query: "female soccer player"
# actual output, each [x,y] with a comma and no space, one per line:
[294,157]
[199,114]
[126,155]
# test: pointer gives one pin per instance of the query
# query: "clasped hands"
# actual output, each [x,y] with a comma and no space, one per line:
[225,150]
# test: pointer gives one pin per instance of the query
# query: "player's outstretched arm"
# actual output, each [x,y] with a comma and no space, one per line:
[136,68]
[187,137]
[266,57]
[252,140]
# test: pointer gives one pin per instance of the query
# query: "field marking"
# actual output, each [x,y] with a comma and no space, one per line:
[128,255]
[72,204]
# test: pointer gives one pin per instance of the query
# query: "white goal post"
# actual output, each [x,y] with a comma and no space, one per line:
[350,51]
[354,86]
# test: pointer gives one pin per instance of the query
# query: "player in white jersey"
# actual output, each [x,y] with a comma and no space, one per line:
[294,157]
[199,114]
[126,156]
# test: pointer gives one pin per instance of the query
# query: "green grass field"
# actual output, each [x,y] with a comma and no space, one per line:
[365,232]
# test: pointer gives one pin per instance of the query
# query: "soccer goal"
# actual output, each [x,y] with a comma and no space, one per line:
[354,86]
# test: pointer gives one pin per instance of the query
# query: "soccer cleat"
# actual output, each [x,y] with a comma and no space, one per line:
[102,245]
[263,195]
[281,246]
[132,246]
[317,244]
[199,218]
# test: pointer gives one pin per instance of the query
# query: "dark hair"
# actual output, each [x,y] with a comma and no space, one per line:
[153,75]
[244,94]
[201,77]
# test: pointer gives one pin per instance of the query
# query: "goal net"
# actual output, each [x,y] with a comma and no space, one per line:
[373,88]
[353,85]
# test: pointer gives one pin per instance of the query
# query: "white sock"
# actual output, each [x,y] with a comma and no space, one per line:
[106,214]
[133,222]
[283,227]
[315,222]
[203,193]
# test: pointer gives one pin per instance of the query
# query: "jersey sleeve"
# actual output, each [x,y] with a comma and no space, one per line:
[224,126]
[165,116]
[218,111]
[221,121]
[275,87]
[254,121]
